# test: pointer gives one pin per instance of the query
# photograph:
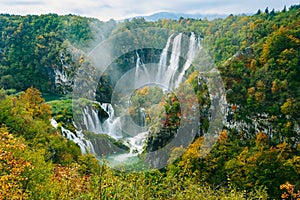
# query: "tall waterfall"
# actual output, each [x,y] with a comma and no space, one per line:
[174,60]
[194,45]
[168,68]
[140,67]
[162,65]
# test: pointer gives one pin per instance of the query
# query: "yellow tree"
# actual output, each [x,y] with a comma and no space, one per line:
[12,167]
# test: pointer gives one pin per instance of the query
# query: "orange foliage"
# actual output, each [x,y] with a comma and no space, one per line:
[69,176]
[261,137]
[143,91]
[289,191]
[223,136]
[233,107]
[12,167]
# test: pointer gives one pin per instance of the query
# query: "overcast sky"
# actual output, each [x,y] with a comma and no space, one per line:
[120,9]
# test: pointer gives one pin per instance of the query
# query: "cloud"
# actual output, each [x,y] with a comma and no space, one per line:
[119,9]
[22,3]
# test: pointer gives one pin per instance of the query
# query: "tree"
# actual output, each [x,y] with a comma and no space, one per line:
[258,12]
[12,167]
[284,9]
[267,10]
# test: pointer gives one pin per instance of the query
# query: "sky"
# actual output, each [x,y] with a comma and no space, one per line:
[121,9]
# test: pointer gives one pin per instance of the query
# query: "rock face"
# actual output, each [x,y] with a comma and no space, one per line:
[104,146]
[158,140]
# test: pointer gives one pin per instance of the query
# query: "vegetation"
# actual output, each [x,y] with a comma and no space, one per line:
[32,47]
[31,171]
[258,157]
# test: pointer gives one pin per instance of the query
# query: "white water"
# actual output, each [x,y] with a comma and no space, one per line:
[78,138]
[107,107]
[53,123]
[162,65]
[166,72]
[168,68]
[111,126]
[136,145]
[174,61]
[64,74]
[140,68]
[193,48]
[91,120]
[61,76]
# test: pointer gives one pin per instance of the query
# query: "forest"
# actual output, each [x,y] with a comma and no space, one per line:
[257,151]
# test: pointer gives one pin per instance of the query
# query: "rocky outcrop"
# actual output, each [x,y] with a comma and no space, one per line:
[158,140]
[105,146]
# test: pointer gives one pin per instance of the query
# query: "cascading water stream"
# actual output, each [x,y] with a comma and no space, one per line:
[193,48]
[140,69]
[78,138]
[111,126]
[162,65]
[174,61]
[91,120]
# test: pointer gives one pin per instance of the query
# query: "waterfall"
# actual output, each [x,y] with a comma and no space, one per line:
[140,67]
[91,120]
[107,107]
[174,60]
[136,145]
[193,47]
[137,142]
[167,73]
[111,126]
[71,136]
[60,76]
[162,65]
[88,144]
[78,138]
[142,117]
[53,123]
[137,69]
